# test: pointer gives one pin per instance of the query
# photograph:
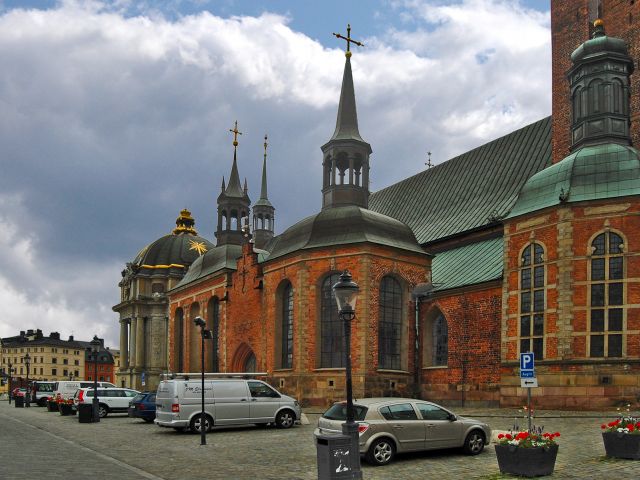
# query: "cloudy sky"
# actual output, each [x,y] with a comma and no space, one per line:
[114,115]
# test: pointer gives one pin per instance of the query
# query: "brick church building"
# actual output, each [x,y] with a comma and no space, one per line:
[528,243]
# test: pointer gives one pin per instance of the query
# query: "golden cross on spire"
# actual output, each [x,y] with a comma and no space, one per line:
[235,132]
[265,145]
[349,40]
[428,162]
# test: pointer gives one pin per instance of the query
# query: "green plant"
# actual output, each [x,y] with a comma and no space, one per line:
[625,423]
[528,440]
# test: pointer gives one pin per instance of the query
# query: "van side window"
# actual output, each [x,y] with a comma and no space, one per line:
[261,390]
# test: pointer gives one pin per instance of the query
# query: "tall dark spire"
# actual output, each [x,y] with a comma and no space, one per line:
[263,211]
[346,154]
[599,82]
[233,202]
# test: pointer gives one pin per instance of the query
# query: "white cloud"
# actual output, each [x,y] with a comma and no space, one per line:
[111,122]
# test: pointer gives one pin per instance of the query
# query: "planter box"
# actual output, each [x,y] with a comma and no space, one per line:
[621,445]
[52,406]
[526,462]
[66,409]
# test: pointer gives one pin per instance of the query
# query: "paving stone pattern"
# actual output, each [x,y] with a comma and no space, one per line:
[40,444]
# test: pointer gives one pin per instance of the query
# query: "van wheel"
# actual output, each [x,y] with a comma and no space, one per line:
[103,410]
[195,423]
[42,402]
[285,419]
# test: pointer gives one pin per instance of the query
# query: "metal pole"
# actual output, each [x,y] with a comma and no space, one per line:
[27,397]
[350,427]
[10,375]
[529,407]
[94,404]
[203,431]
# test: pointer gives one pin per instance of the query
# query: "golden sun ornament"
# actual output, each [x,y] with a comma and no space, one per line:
[197,246]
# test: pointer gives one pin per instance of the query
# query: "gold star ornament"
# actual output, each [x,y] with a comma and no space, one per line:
[199,247]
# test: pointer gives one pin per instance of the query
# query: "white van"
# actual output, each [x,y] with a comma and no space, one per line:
[229,400]
[67,388]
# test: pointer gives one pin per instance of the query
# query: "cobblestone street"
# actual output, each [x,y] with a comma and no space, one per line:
[39,444]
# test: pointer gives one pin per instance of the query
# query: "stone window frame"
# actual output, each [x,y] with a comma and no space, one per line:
[606,332]
[329,319]
[395,359]
[536,339]
[282,344]
[178,338]
[213,324]
[430,342]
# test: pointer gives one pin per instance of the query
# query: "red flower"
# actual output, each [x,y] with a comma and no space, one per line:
[500,436]
[630,427]
[603,426]
[508,436]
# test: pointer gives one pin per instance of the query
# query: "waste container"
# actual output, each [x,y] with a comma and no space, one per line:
[336,457]
[18,401]
[85,413]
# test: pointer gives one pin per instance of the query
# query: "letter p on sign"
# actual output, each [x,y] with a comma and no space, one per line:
[526,361]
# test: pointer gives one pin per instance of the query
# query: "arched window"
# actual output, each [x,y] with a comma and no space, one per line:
[331,329]
[532,300]
[390,324]
[213,311]
[178,339]
[287,327]
[606,323]
[440,333]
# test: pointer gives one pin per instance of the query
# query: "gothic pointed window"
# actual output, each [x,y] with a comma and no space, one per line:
[178,339]
[390,324]
[287,327]
[331,328]
[213,324]
[607,308]
[435,340]
[532,300]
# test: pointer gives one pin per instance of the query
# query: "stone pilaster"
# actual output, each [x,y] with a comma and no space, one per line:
[124,344]
[565,281]
[133,342]
[140,341]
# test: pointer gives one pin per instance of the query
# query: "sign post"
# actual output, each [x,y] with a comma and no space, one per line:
[528,379]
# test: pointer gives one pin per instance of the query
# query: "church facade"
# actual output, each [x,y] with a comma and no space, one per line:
[526,244]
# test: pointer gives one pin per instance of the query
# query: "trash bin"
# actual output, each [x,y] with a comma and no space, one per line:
[85,413]
[336,457]
[18,401]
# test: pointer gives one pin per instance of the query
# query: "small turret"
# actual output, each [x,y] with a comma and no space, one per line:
[263,211]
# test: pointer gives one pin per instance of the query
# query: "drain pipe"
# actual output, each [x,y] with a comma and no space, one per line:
[421,290]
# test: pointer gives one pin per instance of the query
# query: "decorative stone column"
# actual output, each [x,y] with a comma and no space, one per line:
[132,344]
[140,340]
[124,344]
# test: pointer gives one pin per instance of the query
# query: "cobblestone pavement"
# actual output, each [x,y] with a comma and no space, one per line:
[38,444]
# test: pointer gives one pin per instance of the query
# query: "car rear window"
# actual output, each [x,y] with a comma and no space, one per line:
[138,398]
[338,411]
[399,411]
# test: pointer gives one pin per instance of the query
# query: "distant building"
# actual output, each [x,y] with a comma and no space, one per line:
[103,369]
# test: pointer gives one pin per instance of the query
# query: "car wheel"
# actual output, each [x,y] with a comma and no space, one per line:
[148,420]
[285,419]
[195,423]
[103,410]
[474,443]
[381,452]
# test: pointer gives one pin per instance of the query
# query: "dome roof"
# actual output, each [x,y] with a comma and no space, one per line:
[344,225]
[216,259]
[175,251]
[600,43]
[593,172]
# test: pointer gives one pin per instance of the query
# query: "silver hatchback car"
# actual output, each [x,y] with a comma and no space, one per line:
[395,425]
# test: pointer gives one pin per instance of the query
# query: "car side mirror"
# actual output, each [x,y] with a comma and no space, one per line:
[452,417]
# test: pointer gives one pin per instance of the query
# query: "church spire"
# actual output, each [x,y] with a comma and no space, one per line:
[233,202]
[346,154]
[263,211]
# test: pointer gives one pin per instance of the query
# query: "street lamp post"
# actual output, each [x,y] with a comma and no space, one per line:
[95,348]
[346,294]
[205,334]
[27,362]
[10,375]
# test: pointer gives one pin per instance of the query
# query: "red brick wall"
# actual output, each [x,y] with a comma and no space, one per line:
[567,377]
[569,29]
[248,319]
[473,370]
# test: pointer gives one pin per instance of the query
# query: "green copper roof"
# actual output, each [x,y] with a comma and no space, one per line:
[591,173]
[471,190]
[215,260]
[469,265]
[347,121]
[343,225]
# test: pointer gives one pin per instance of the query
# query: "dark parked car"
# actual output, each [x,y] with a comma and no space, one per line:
[143,406]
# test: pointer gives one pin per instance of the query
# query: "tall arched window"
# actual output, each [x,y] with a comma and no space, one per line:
[606,323]
[213,311]
[287,326]
[331,329]
[178,339]
[532,300]
[440,334]
[390,324]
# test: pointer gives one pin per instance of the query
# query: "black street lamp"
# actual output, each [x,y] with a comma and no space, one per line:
[205,334]
[27,362]
[10,376]
[95,348]
[346,294]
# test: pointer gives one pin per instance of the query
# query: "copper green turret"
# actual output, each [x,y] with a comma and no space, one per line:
[263,210]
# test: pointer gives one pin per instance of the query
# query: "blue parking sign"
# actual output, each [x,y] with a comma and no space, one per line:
[526,365]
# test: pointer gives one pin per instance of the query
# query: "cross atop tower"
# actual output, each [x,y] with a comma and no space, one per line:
[235,132]
[349,40]
[265,146]
[428,162]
